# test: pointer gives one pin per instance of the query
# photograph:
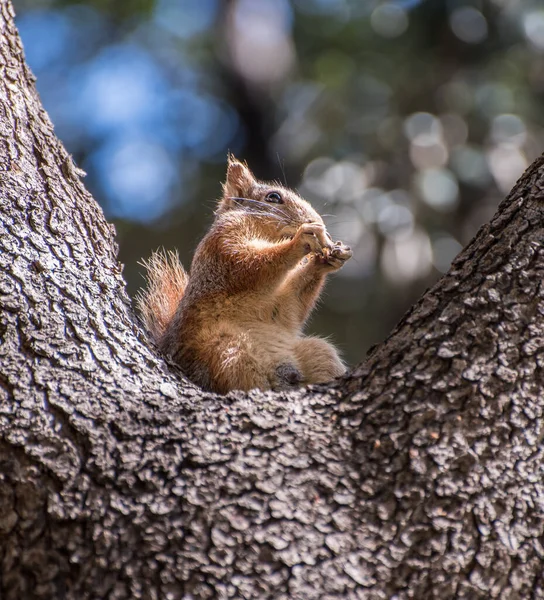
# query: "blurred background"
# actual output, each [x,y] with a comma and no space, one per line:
[405,121]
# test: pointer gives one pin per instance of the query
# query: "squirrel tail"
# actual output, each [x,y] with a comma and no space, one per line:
[166,283]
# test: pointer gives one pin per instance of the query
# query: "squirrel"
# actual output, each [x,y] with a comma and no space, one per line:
[235,321]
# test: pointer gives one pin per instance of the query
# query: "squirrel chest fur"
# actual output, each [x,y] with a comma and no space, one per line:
[235,322]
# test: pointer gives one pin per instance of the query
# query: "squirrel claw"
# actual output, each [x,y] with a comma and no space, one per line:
[334,257]
[314,235]
[341,251]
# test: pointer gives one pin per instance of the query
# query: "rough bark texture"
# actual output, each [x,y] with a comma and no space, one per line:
[417,476]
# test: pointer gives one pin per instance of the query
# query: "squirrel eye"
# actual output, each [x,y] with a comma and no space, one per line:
[274,197]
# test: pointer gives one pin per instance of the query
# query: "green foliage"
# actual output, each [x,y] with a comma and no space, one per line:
[118,11]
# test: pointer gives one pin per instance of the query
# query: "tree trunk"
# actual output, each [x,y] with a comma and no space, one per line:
[419,475]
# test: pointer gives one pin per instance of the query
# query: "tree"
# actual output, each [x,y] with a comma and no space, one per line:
[419,475]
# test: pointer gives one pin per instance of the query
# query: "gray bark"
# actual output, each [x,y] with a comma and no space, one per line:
[419,475]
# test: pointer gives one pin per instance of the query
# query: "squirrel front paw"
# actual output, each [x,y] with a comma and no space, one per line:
[313,237]
[335,256]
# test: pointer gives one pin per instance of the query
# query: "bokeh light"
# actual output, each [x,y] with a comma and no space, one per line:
[468,24]
[389,20]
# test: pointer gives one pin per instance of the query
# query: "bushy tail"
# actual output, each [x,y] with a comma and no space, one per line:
[166,283]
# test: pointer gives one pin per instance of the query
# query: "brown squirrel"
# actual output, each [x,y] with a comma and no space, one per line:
[235,322]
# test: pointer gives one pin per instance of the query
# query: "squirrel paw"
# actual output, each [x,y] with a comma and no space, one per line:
[314,236]
[336,256]
[287,377]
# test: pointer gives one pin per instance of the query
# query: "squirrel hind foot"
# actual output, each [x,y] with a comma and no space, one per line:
[287,377]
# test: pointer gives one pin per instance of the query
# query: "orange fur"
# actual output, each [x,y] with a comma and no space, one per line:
[236,321]
[166,283]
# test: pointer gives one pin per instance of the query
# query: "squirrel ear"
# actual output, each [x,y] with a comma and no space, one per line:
[239,179]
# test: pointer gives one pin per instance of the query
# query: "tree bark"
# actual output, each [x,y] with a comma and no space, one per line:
[419,475]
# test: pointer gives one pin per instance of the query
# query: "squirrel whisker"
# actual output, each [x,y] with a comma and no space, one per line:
[272,209]
[261,213]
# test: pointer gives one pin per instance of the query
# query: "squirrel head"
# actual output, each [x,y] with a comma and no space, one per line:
[278,211]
